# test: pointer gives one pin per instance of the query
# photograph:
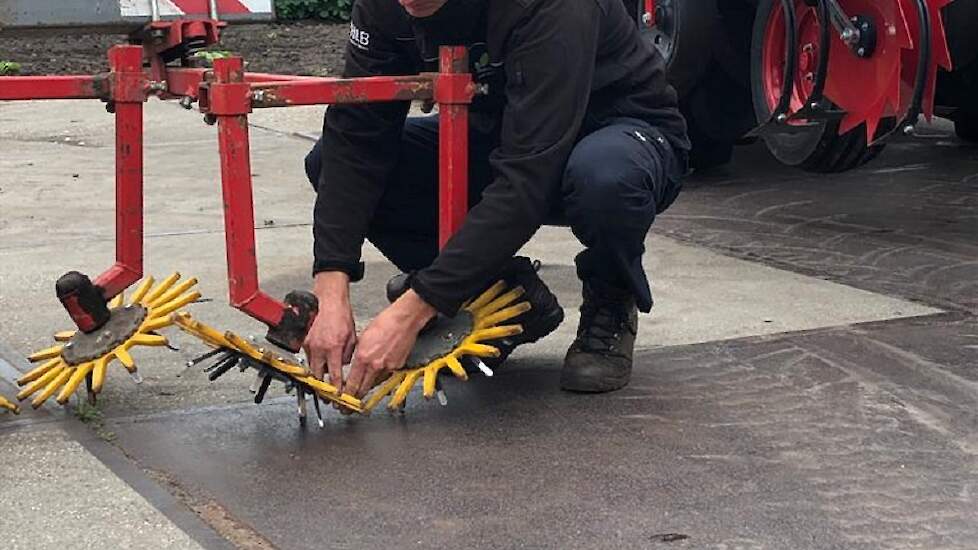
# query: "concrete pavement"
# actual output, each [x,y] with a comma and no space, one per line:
[806,379]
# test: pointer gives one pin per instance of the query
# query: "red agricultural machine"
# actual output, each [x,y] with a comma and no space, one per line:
[823,82]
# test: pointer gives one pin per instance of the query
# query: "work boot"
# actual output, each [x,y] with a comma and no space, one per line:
[600,359]
[544,316]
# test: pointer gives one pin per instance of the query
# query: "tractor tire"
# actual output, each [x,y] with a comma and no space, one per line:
[966,127]
[821,148]
[683,34]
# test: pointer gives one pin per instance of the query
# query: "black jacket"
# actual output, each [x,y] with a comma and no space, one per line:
[557,70]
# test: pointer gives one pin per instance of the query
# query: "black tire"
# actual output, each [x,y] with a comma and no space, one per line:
[821,149]
[966,127]
[683,34]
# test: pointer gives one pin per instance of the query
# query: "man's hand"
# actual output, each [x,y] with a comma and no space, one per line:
[333,335]
[386,343]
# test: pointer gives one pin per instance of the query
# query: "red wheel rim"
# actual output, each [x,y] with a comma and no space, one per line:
[774,52]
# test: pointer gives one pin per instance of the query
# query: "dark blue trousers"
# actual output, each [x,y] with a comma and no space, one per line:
[616,181]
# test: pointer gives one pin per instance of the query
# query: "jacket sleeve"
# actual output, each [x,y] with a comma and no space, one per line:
[360,148]
[549,67]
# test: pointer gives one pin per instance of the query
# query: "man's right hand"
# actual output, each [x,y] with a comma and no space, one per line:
[333,335]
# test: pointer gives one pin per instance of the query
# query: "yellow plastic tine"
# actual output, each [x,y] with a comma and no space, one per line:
[478,350]
[404,388]
[431,377]
[64,335]
[493,333]
[47,353]
[32,388]
[76,378]
[164,285]
[147,340]
[10,406]
[117,300]
[502,315]
[51,388]
[456,367]
[156,324]
[98,373]
[242,344]
[174,292]
[500,303]
[208,334]
[170,307]
[141,290]
[123,356]
[487,296]
[383,391]
[38,372]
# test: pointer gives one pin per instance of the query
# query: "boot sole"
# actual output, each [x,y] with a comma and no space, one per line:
[577,383]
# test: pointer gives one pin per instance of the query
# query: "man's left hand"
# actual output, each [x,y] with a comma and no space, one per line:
[386,343]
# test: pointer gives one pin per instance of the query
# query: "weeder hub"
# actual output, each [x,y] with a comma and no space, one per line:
[123,323]
[446,334]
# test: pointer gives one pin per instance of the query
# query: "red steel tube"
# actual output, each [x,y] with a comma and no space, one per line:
[341,90]
[14,88]
[453,148]
[239,211]
[126,64]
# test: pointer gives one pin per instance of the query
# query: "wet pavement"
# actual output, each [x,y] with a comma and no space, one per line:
[766,416]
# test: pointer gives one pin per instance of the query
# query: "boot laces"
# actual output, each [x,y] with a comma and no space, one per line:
[602,322]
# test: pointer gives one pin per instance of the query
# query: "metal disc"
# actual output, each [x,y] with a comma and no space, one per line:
[441,339]
[123,323]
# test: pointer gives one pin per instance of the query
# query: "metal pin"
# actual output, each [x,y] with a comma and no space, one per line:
[483,367]
[227,355]
[223,367]
[256,383]
[440,393]
[300,395]
[319,412]
[136,377]
[198,360]
[154,10]
[260,395]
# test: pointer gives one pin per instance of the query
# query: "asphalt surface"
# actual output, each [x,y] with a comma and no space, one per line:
[809,378]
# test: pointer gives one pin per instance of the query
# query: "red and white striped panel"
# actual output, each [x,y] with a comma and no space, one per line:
[141,8]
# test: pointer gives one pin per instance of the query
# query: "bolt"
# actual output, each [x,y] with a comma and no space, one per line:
[861,52]
[810,77]
[69,345]
[848,35]
[647,19]
[155,87]
[864,26]
[813,105]
[481,89]
[258,96]
[110,106]
[210,119]
[908,130]
[808,48]
[187,102]
[782,117]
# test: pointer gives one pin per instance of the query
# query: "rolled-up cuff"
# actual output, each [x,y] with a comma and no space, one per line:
[445,306]
[353,269]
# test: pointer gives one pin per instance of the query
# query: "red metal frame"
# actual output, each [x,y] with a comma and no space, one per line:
[227,94]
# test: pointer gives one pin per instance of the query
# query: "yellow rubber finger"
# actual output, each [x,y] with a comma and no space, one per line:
[47,353]
[502,315]
[174,305]
[487,296]
[456,367]
[98,374]
[210,335]
[148,340]
[127,361]
[10,406]
[76,379]
[38,372]
[117,300]
[410,379]
[164,285]
[141,290]
[41,382]
[478,350]
[494,333]
[431,378]
[51,388]
[174,292]
[64,335]
[500,302]
[156,324]
[383,391]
